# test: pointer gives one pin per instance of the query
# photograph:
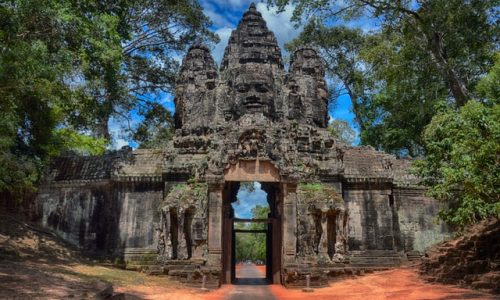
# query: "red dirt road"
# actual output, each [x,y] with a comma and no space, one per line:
[401,283]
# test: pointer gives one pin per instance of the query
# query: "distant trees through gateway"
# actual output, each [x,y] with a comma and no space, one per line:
[251,204]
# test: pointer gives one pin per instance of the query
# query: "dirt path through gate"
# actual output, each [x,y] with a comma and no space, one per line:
[395,284]
[251,285]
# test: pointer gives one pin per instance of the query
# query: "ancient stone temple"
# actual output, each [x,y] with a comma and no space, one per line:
[333,206]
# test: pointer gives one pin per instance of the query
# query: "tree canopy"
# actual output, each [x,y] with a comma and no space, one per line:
[252,246]
[422,82]
[414,58]
[67,67]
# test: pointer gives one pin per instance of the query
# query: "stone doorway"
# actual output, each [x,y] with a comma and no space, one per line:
[270,226]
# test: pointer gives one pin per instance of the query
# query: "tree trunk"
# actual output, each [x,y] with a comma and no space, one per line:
[102,128]
[455,83]
[355,107]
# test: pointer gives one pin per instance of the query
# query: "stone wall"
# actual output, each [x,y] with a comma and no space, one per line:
[385,218]
[370,216]
[416,217]
[102,217]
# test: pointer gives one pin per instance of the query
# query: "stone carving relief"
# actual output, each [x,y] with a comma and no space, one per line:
[195,89]
[251,144]
[306,68]
[321,225]
[183,230]
[255,93]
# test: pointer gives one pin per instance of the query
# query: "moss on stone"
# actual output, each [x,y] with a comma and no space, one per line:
[318,191]
[189,192]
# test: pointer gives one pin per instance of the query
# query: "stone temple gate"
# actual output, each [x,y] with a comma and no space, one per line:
[335,208]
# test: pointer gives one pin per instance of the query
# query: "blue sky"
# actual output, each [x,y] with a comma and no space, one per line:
[248,200]
[225,15]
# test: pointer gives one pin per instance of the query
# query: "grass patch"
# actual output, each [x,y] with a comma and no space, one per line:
[118,277]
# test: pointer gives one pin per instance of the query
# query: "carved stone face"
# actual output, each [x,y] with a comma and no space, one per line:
[255,93]
[308,62]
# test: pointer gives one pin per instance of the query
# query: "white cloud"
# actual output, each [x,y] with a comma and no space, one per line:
[118,135]
[280,24]
[233,3]
[224,34]
[248,200]
[119,143]
[218,19]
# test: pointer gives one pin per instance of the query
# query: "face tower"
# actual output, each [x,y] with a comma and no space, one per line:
[251,86]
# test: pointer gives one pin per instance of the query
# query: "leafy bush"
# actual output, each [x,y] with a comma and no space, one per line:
[462,162]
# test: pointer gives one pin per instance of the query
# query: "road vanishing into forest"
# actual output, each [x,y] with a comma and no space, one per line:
[250,284]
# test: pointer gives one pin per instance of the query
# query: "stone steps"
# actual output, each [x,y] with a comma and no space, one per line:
[414,255]
[376,258]
[316,282]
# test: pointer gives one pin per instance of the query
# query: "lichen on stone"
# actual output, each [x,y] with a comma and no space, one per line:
[190,192]
[318,192]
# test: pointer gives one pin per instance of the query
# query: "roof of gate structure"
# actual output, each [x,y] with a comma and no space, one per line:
[250,108]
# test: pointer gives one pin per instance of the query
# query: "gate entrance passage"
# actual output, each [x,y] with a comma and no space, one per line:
[251,240]
[251,252]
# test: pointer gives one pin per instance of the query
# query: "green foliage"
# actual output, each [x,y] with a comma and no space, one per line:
[462,166]
[342,131]
[37,61]
[67,67]
[189,192]
[488,88]
[252,246]
[70,140]
[311,187]
[417,58]
[319,192]
[157,128]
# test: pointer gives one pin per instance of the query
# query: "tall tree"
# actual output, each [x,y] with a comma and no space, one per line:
[38,55]
[418,56]
[66,67]
[457,35]
[462,165]
[142,64]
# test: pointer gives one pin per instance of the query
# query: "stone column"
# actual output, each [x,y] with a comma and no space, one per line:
[289,218]
[323,241]
[181,234]
[167,238]
[214,224]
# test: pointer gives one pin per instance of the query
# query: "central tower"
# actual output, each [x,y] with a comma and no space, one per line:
[251,87]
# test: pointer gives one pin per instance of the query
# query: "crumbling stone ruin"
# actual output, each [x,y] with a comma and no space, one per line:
[334,207]
[471,260]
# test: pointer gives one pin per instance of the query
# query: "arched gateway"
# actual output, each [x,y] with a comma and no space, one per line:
[334,208]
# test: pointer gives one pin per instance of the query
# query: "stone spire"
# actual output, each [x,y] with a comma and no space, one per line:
[308,99]
[195,95]
[252,43]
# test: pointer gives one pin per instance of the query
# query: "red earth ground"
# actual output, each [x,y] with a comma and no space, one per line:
[403,283]
[35,265]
